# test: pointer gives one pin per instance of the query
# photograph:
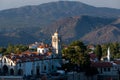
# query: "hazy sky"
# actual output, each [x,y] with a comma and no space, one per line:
[6,4]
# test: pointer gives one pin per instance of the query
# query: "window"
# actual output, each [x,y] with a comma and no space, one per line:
[52,56]
[52,67]
[104,69]
[101,70]
[108,69]
[31,72]
[20,65]
[42,51]
[44,67]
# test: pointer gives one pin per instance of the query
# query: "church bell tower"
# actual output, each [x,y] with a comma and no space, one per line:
[56,43]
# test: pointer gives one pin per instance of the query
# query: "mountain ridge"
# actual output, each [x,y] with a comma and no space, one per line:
[103,35]
[78,27]
[38,22]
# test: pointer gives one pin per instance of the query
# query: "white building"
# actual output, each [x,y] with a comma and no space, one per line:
[106,70]
[44,60]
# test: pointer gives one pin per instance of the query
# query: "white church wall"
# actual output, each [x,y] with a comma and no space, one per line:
[45,66]
[42,50]
[27,68]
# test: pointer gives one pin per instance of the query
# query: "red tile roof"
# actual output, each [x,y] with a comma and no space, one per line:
[43,46]
[27,56]
[117,62]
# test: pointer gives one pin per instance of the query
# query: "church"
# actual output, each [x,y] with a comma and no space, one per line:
[45,60]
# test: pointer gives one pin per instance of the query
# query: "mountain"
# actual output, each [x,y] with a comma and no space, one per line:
[35,23]
[108,33]
[44,14]
[84,28]
[103,35]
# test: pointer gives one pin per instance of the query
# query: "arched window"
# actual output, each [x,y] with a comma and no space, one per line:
[5,70]
[38,70]
[11,72]
[52,67]
[108,69]
[44,67]
[19,64]
[20,72]
[31,72]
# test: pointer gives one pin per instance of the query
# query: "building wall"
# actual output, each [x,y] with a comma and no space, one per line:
[43,66]
[42,50]
[27,68]
[79,76]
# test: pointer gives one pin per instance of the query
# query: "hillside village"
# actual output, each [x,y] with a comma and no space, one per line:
[43,61]
[47,61]
[85,45]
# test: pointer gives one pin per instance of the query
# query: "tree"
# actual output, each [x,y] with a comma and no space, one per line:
[98,51]
[79,46]
[75,52]
[16,49]
[104,49]
[9,49]
[2,50]
[20,48]
[68,67]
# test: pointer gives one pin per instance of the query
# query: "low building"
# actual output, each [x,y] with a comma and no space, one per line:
[107,70]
